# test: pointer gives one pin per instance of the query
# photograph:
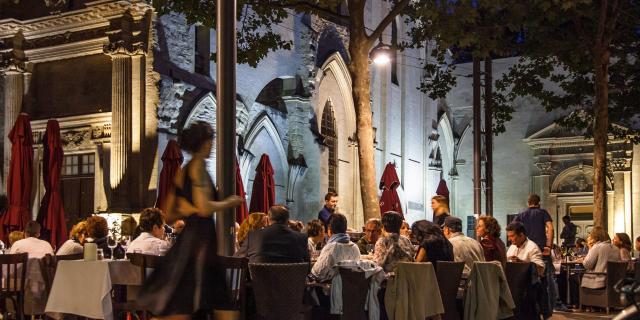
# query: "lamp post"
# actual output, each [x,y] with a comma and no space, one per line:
[226,120]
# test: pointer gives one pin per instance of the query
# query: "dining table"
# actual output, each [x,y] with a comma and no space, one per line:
[567,269]
[84,288]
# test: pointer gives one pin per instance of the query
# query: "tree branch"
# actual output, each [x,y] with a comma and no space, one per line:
[386,21]
[304,6]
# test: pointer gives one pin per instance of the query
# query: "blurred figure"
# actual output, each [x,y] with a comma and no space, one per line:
[178,226]
[488,231]
[433,246]
[372,232]
[638,243]
[15,236]
[623,242]
[315,236]
[296,225]
[568,233]
[128,227]
[35,247]
[255,221]
[581,247]
[440,206]
[76,240]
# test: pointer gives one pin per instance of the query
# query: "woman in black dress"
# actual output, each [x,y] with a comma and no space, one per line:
[434,246]
[188,281]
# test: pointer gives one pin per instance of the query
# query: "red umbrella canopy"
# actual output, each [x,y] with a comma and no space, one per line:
[442,189]
[242,212]
[20,176]
[389,200]
[51,213]
[263,195]
[171,161]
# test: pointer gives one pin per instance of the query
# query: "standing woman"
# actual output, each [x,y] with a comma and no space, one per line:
[488,231]
[440,206]
[188,281]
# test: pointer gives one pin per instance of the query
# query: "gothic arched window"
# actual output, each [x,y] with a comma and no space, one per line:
[328,130]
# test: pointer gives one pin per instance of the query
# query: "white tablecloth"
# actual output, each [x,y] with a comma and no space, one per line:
[84,288]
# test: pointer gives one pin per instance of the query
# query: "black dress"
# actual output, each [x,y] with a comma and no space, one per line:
[188,280]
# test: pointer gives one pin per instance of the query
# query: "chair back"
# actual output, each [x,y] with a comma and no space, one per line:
[355,287]
[519,279]
[13,270]
[235,270]
[616,271]
[448,274]
[279,289]
[145,262]
[49,265]
[75,256]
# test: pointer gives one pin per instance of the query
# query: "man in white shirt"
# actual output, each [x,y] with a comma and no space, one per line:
[465,249]
[150,241]
[35,247]
[339,248]
[522,249]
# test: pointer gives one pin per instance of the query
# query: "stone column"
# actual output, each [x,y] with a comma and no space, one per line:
[13,80]
[121,105]
[621,196]
[136,165]
[635,191]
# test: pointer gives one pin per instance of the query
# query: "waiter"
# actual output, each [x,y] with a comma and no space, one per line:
[330,205]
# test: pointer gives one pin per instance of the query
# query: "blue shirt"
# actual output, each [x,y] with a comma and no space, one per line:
[324,215]
[534,221]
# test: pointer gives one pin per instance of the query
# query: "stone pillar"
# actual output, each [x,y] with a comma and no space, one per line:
[138,159]
[121,105]
[13,80]
[621,196]
[635,191]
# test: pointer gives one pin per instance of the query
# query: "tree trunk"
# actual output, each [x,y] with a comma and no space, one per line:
[359,47]
[600,137]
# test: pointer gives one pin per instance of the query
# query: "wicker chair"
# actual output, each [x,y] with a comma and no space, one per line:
[606,297]
[279,289]
[13,271]
[354,294]
[448,275]
[236,270]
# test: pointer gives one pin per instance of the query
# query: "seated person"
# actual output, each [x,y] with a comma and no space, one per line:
[276,243]
[623,242]
[151,240]
[15,236]
[405,230]
[523,249]
[488,231]
[465,249]
[372,232]
[433,245]
[76,240]
[392,248]
[581,248]
[315,236]
[596,260]
[31,245]
[255,221]
[98,231]
[339,248]
[296,225]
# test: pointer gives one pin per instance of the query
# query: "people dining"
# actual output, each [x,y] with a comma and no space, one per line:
[488,231]
[372,232]
[76,240]
[15,236]
[31,245]
[276,243]
[98,231]
[339,248]
[440,206]
[433,246]
[315,236]
[522,248]
[392,248]
[151,240]
[405,230]
[596,260]
[623,242]
[254,221]
[465,249]
[581,247]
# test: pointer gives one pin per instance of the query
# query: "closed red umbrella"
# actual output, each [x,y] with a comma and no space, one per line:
[242,212]
[51,213]
[442,189]
[20,176]
[263,195]
[171,161]
[389,200]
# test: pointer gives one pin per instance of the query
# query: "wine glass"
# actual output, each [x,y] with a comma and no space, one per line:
[112,244]
[124,242]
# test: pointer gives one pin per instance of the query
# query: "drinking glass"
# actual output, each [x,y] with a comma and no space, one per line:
[100,254]
[112,244]
[124,242]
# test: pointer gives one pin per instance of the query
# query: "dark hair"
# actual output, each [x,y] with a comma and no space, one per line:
[376,222]
[492,226]
[422,228]
[580,241]
[432,240]
[314,228]
[279,214]
[517,227]
[566,218]
[330,195]
[625,240]
[192,138]
[453,223]
[97,227]
[150,217]
[533,200]
[338,223]
[32,229]
[392,221]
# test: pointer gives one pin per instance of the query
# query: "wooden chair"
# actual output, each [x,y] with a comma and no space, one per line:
[49,265]
[279,289]
[518,276]
[13,272]
[449,274]
[355,287]
[144,262]
[606,297]
[236,270]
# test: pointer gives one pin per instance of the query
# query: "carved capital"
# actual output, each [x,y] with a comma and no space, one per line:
[119,48]
[545,168]
[619,164]
[8,65]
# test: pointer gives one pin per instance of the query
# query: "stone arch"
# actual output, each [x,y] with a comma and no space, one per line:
[329,43]
[263,137]
[446,143]
[575,179]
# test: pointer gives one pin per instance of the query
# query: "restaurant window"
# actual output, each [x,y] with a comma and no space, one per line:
[202,50]
[79,165]
[328,129]
[78,185]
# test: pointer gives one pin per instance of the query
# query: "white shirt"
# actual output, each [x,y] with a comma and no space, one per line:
[311,246]
[146,243]
[528,252]
[330,255]
[35,247]
[70,247]
[466,250]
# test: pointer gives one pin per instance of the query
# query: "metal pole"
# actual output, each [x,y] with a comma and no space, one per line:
[477,139]
[226,120]
[488,135]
